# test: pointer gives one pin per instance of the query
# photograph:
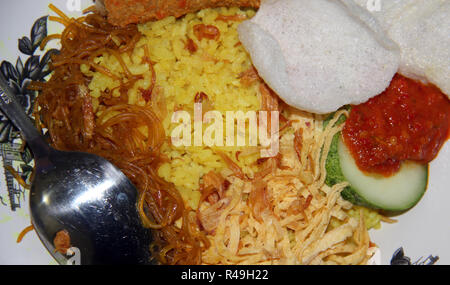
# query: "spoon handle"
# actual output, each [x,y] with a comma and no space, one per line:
[14,111]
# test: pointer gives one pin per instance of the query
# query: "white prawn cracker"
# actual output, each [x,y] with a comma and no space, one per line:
[319,55]
[422,31]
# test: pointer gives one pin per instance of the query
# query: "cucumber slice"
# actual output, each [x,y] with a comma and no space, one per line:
[395,193]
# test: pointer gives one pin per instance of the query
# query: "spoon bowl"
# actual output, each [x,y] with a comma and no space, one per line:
[94,202]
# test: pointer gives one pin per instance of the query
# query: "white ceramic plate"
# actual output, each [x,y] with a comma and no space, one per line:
[422,232]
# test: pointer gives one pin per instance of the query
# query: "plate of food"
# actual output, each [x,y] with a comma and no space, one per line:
[257,132]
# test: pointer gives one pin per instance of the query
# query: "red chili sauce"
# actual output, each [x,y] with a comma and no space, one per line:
[408,121]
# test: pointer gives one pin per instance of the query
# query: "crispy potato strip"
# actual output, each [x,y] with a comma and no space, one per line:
[295,208]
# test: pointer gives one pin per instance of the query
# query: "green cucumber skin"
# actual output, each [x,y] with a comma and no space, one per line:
[335,175]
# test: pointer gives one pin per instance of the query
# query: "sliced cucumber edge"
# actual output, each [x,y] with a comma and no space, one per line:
[357,196]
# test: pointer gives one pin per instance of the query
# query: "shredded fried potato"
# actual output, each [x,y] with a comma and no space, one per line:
[293,226]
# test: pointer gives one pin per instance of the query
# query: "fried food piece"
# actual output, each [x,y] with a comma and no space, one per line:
[61,241]
[124,12]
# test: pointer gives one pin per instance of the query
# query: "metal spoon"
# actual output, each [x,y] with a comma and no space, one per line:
[83,194]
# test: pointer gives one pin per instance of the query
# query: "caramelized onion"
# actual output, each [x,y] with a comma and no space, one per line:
[210,32]
[258,199]
[237,171]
